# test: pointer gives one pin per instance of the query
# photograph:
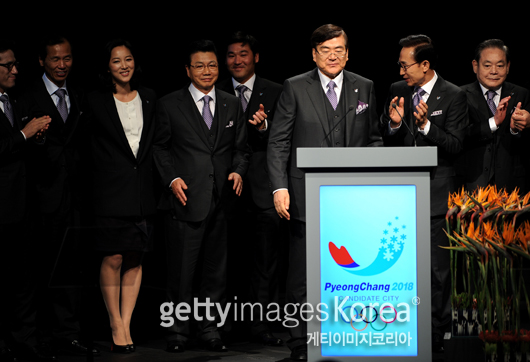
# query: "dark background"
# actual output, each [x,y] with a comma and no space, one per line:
[160,32]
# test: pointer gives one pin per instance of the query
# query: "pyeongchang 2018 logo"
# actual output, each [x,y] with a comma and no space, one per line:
[391,244]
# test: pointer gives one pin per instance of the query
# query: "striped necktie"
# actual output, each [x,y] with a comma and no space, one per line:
[61,105]
[491,104]
[8,111]
[242,89]
[206,112]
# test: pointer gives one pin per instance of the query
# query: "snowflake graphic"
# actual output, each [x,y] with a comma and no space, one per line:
[397,247]
[396,230]
[403,237]
[389,255]
[393,238]
[383,241]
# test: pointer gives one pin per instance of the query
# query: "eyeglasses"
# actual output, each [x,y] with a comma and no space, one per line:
[405,67]
[10,65]
[326,53]
[201,67]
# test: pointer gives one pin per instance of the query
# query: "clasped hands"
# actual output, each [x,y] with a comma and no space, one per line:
[178,186]
[519,120]
[36,127]
[420,114]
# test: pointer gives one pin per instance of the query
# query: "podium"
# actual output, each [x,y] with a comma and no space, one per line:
[368,253]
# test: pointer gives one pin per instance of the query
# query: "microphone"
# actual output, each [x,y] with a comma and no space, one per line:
[335,126]
[405,123]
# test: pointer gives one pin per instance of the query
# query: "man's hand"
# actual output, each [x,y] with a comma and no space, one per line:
[281,203]
[36,126]
[501,111]
[520,119]
[238,182]
[421,114]
[395,118]
[259,117]
[178,186]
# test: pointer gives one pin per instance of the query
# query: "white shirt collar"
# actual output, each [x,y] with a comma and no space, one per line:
[52,87]
[484,90]
[324,80]
[249,83]
[427,87]
[197,94]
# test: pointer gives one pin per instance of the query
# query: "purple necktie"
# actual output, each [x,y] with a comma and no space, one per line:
[8,111]
[417,97]
[206,112]
[493,108]
[332,96]
[61,105]
[242,89]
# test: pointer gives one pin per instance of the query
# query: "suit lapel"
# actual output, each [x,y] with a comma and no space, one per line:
[191,113]
[480,101]
[147,110]
[5,122]
[255,100]
[436,96]
[317,96]
[222,114]
[351,97]
[110,106]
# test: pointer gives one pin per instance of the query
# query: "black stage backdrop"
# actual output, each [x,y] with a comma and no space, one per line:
[161,30]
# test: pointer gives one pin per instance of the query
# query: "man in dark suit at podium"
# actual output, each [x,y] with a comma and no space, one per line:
[495,148]
[258,98]
[325,107]
[201,154]
[425,110]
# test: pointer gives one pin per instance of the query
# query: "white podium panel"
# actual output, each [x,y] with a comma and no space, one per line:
[368,253]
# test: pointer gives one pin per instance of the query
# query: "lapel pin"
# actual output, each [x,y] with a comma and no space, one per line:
[438,98]
[356,89]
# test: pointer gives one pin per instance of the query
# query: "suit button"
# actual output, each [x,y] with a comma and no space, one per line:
[210,175]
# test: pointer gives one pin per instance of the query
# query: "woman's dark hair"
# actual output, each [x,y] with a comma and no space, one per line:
[423,48]
[104,75]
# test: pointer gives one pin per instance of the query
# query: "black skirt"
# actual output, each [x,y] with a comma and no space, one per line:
[120,234]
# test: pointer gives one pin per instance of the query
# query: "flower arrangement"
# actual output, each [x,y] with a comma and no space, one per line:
[489,233]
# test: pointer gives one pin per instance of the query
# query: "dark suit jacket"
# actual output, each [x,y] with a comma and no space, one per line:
[54,166]
[12,170]
[122,184]
[301,121]
[500,153]
[258,183]
[447,114]
[182,150]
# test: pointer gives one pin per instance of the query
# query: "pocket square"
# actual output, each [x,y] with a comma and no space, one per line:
[361,107]
[230,124]
[436,113]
